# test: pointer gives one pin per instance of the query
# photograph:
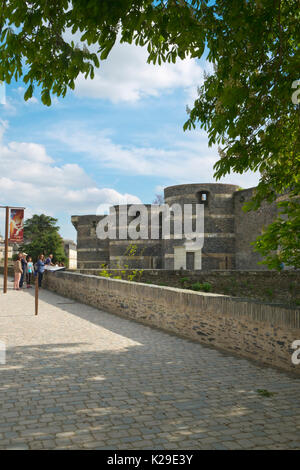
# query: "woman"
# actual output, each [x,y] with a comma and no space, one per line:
[40,268]
[18,271]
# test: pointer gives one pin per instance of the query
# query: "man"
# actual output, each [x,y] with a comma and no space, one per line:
[48,261]
[40,264]
[24,266]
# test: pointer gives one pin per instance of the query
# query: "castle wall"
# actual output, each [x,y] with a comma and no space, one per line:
[147,252]
[228,233]
[248,226]
[91,251]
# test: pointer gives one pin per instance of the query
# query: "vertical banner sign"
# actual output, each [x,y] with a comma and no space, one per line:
[16,225]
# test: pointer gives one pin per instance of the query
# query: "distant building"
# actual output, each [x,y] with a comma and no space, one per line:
[12,249]
[70,249]
[228,233]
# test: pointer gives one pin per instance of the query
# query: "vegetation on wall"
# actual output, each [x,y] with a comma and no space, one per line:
[130,275]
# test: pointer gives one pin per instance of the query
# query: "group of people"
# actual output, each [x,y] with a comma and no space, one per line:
[24,269]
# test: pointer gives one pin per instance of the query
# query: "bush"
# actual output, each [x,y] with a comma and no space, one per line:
[205,286]
[196,286]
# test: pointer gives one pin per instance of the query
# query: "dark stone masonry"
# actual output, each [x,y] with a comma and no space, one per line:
[228,233]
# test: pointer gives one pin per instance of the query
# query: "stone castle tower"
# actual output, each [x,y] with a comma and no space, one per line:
[228,233]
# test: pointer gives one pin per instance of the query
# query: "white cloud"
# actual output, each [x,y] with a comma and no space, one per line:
[184,158]
[8,108]
[159,189]
[29,177]
[126,76]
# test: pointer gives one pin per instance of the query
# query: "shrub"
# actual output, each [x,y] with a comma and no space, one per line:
[196,286]
[205,286]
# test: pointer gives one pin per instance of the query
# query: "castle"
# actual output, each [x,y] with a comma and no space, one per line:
[228,233]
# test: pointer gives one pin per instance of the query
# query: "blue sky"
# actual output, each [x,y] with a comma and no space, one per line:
[115,139]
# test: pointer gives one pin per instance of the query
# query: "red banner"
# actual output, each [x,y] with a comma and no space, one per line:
[16,225]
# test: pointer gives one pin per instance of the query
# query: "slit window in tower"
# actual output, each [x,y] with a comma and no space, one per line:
[202,197]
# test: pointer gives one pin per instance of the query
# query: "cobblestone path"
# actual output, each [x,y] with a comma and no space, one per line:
[79,378]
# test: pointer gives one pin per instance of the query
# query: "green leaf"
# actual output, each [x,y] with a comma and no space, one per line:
[28,92]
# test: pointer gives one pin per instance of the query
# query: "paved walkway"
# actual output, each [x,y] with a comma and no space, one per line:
[79,378]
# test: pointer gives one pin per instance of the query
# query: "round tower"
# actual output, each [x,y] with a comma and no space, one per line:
[218,251]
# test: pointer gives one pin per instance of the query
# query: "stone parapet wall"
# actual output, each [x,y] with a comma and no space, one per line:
[10,270]
[269,286]
[250,329]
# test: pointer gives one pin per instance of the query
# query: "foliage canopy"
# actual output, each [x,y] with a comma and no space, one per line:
[41,237]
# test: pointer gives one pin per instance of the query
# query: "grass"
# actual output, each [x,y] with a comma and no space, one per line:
[269,292]
[264,393]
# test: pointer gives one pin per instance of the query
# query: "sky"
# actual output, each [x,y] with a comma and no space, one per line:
[116,139]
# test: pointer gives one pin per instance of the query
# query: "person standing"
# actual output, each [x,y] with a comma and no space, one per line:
[24,266]
[29,271]
[18,271]
[49,261]
[40,268]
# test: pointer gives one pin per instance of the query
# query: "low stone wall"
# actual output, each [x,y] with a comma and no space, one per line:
[270,286]
[250,329]
[10,270]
